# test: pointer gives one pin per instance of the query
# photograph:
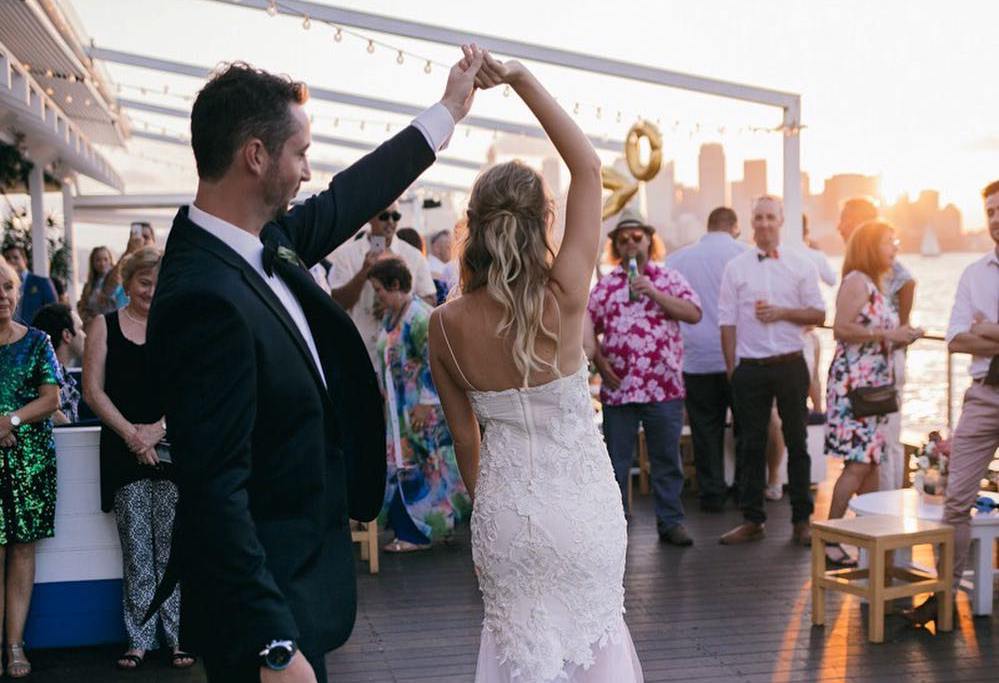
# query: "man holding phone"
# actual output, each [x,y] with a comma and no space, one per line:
[349,268]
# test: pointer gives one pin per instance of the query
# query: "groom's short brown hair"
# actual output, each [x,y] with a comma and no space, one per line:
[238,103]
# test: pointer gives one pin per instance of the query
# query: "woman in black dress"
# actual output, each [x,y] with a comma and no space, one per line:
[135,475]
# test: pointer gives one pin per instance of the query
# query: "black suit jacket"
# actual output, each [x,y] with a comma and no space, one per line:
[270,463]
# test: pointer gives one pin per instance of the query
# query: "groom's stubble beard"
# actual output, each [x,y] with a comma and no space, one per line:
[275,198]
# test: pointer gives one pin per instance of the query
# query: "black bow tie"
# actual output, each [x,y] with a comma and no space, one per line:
[275,252]
[760,256]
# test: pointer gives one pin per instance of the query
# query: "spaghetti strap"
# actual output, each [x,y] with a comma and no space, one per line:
[440,318]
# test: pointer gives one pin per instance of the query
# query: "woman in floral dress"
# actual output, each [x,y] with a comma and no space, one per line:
[866,329]
[424,495]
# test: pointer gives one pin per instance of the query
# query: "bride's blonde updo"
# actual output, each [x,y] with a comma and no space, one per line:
[507,249]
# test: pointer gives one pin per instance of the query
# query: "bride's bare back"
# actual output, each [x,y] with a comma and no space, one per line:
[485,359]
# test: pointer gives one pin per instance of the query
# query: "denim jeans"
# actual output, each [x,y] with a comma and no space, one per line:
[662,423]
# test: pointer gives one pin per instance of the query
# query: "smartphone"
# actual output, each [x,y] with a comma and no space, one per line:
[137,229]
[378,243]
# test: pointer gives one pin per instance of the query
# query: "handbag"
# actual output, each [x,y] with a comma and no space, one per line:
[879,400]
[868,401]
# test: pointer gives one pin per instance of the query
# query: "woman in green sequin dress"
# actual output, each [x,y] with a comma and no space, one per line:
[29,394]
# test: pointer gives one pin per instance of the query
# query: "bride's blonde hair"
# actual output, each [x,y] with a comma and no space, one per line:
[507,249]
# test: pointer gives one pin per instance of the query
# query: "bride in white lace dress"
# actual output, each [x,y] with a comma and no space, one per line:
[548,531]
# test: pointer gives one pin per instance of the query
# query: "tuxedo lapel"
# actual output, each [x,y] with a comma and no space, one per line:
[205,240]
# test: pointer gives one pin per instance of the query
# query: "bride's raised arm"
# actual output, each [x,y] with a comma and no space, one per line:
[577,256]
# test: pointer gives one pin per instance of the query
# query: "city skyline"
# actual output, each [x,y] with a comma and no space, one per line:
[682,219]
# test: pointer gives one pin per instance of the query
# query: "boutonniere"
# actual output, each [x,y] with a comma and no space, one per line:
[289,256]
[33,290]
[274,252]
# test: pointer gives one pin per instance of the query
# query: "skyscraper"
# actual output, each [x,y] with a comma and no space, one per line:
[711,178]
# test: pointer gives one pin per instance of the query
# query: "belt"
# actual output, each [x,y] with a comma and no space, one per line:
[773,360]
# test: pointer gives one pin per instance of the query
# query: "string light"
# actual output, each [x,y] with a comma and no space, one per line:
[399,59]
[338,36]
[69,99]
[427,68]
[371,46]
[306,23]
[272,8]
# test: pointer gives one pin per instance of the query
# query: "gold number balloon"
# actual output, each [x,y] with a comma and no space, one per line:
[622,190]
[633,150]
[621,187]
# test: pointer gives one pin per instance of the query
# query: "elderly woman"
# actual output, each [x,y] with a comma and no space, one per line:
[424,496]
[135,470]
[866,330]
[29,394]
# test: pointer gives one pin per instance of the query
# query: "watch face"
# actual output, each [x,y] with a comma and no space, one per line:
[279,656]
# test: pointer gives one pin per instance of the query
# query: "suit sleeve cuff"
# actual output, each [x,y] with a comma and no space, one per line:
[436,125]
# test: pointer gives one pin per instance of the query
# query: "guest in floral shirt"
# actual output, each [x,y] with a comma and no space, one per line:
[640,360]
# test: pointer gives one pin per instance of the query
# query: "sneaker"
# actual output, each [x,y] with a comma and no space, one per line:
[676,535]
[774,492]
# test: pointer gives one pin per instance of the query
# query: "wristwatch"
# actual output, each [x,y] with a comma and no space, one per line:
[277,655]
[15,420]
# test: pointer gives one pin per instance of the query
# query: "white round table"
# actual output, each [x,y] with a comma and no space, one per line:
[907,503]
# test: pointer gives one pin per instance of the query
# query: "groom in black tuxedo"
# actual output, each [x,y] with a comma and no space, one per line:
[273,411]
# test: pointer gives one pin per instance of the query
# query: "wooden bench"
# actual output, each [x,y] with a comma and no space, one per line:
[880,536]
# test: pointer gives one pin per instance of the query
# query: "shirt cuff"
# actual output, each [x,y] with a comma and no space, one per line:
[436,125]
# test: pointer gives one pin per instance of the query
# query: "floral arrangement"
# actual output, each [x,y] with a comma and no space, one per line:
[932,466]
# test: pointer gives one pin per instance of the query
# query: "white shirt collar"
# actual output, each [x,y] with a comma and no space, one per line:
[243,243]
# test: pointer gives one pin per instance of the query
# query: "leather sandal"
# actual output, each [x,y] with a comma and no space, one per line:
[135,661]
[398,546]
[18,665]
[837,556]
[182,660]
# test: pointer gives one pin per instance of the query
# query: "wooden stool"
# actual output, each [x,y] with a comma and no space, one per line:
[880,536]
[367,535]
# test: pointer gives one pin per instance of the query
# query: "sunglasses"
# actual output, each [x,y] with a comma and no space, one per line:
[635,236]
[386,215]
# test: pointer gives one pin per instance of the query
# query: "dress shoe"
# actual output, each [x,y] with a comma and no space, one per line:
[802,534]
[676,535]
[744,533]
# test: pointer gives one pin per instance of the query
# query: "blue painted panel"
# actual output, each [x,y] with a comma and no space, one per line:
[75,613]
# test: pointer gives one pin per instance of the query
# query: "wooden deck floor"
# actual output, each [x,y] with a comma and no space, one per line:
[705,613]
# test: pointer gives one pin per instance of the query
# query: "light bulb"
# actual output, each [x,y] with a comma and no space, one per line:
[427,68]
[306,23]
[371,46]
[399,58]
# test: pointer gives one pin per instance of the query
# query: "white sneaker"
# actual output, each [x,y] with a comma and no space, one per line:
[774,492]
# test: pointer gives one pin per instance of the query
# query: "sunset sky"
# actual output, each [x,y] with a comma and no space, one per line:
[901,89]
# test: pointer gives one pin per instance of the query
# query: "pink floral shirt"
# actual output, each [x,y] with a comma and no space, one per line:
[642,344]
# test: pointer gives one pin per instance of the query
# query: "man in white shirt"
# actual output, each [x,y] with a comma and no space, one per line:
[349,266]
[767,296]
[974,329]
[443,267]
[709,395]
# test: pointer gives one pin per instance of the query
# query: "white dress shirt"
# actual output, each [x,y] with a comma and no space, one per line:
[348,260]
[977,292]
[789,281]
[436,125]
[252,250]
